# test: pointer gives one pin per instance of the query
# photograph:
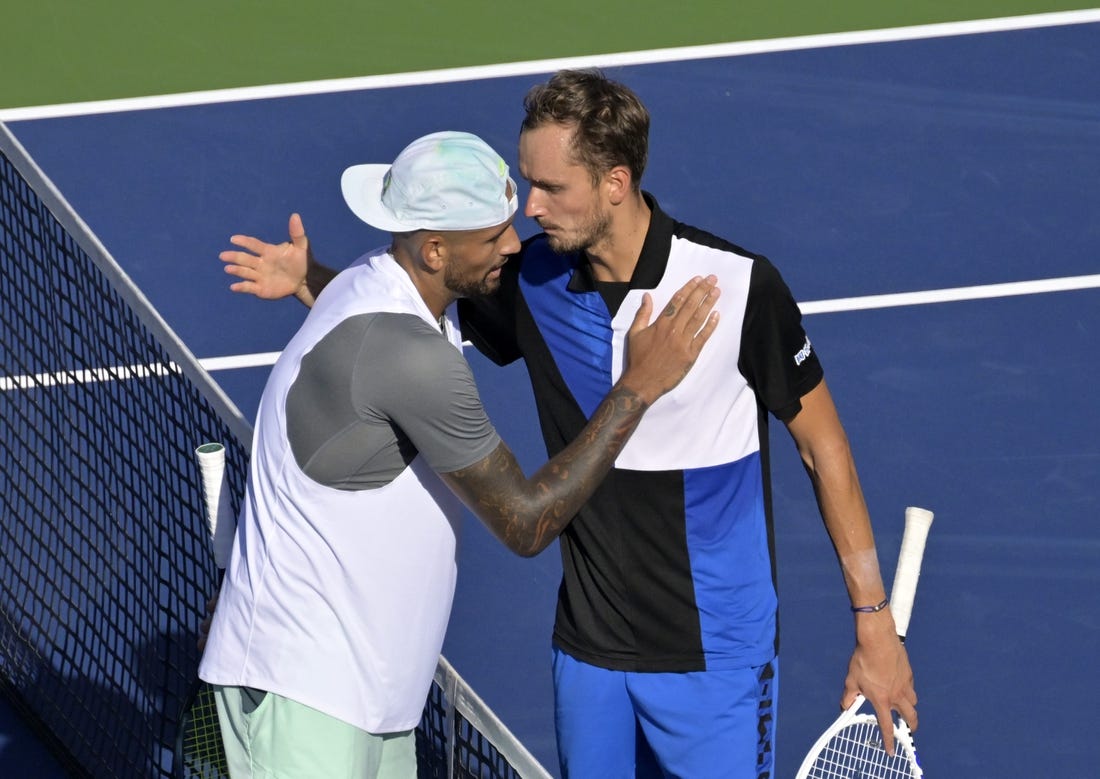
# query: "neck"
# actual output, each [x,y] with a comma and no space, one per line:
[432,291]
[614,257]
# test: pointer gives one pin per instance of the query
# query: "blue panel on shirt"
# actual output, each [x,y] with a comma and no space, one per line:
[575,325]
[730,562]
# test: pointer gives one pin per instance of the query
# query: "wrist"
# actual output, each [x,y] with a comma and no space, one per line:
[874,626]
[638,390]
[871,609]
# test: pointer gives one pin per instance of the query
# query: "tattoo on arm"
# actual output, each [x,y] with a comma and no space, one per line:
[526,514]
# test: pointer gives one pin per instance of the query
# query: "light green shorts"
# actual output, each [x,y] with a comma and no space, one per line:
[268,736]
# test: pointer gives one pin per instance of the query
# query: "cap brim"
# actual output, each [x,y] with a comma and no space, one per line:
[362,188]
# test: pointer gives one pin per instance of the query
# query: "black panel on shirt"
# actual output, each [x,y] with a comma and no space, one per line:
[776,356]
[628,550]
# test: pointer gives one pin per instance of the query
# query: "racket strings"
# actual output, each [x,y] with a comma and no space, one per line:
[203,755]
[856,752]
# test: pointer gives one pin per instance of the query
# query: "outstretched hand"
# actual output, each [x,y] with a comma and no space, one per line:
[659,355]
[270,271]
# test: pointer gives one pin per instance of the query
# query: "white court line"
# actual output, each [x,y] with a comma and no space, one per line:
[866,302]
[950,295]
[256,360]
[652,56]
[88,376]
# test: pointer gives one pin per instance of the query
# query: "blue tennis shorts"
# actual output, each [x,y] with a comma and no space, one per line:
[622,725]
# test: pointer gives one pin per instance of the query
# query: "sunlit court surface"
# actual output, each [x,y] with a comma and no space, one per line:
[932,197]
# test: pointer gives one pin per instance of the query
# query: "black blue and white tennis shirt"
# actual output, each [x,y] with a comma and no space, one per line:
[670,566]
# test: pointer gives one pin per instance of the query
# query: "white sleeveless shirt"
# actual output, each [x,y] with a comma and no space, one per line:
[338,599]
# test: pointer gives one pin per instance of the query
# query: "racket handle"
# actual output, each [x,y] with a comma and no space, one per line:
[918,521]
[220,521]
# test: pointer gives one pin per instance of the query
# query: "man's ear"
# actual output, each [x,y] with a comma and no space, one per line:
[434,252]
[618,183]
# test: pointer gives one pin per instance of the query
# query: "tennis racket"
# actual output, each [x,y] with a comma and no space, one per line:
[852,747]
[200,753]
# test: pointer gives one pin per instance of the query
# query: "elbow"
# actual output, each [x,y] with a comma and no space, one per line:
[529,539]
[528,532]
[528,550]
[824,455]
[832,470]
[523,545]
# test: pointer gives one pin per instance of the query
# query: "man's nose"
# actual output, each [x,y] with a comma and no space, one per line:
[534,206]
[511,242]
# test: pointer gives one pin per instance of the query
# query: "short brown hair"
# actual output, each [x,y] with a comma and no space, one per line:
[611,126]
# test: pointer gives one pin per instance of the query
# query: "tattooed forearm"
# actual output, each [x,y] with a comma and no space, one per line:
[527,514]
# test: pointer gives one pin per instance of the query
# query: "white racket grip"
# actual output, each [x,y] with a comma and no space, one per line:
[220,521]
[918,521]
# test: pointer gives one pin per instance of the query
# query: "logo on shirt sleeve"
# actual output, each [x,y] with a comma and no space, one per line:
[804,353]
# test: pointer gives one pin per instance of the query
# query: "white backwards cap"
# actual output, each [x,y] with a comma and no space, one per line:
[443,181]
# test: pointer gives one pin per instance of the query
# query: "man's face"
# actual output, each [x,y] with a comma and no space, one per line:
[476,258]
[563,199]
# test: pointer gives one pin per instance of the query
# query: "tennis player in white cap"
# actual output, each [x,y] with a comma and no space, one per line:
[369,438]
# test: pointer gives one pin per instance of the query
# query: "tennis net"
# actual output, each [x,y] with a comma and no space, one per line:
[104,562]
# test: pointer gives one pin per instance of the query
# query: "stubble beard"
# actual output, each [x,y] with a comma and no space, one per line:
[469,287]
[592,230]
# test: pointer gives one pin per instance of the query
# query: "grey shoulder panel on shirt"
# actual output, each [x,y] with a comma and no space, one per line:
[376,391]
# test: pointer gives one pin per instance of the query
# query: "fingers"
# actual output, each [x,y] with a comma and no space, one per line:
[690,305]
[204,633]
[644,312]
[687,300]
[704,320]
[240,259]
[297,232]
[848,698]
[691,310]
[253,245]
[907,708]
[204,626]
[886,725]
[256,247]
[884,713]
[243,266]
[908,713]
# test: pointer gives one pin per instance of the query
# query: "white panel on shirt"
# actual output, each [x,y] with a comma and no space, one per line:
[710,417]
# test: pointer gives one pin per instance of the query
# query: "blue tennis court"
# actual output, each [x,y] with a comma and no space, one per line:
[934,203]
